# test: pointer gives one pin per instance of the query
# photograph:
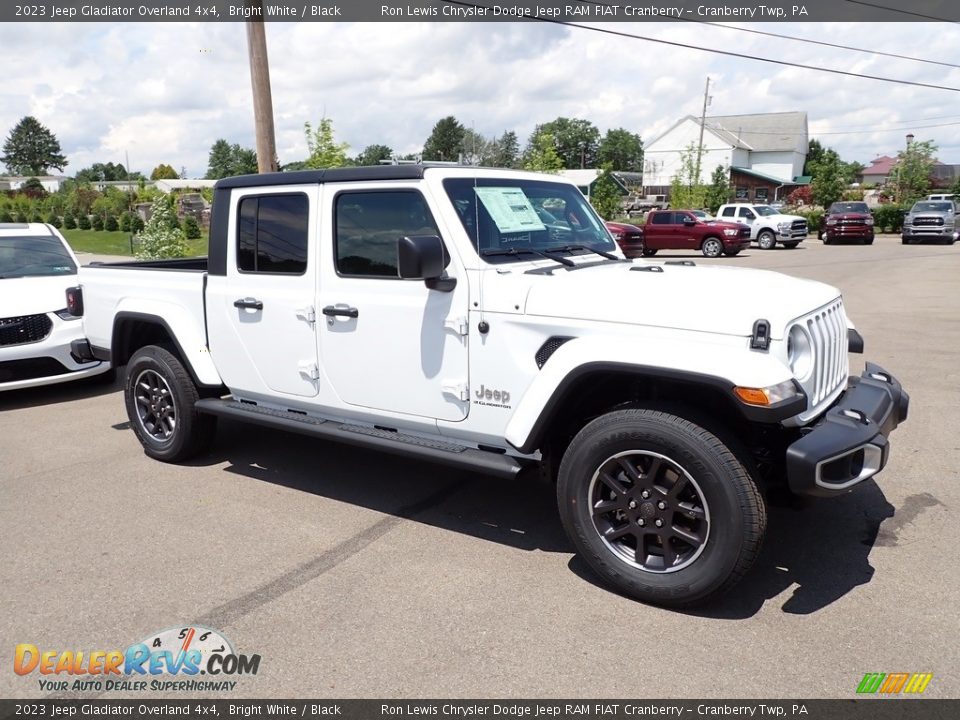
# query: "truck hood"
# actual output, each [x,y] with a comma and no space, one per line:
[779,218]
[34,295]
[725,300]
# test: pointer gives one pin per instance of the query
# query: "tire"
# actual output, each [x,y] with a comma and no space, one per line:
[160,398]
[731,253]
[766,240]
[868,241]
[790,245]
[904,240]
[711,247]
[622,462]
[647,252]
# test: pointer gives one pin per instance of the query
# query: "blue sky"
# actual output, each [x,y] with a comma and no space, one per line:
[164,92]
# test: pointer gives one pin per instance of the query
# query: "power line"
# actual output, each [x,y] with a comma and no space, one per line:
[902,12]
[798,39]
[728,53]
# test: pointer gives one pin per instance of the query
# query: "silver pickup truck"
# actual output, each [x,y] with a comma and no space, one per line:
[931,220]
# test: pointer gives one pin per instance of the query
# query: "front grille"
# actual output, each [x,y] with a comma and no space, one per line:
[23,330]
[14,370]
[828,335]
[853,222]
[799,226]
[744,232]
[929,221]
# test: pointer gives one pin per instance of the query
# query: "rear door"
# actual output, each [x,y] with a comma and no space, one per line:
[684,236]
[658,232]
[389,344]
[260,315]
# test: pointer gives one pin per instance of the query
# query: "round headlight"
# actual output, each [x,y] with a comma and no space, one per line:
[799,352]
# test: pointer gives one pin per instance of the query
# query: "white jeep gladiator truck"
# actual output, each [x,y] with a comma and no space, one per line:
[433,312]
[768,226]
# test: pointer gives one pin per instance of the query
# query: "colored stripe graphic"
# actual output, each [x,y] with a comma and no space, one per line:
[894,683]
[918,682]
[871,682]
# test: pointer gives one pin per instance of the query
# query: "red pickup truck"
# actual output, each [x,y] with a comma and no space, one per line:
[682,230]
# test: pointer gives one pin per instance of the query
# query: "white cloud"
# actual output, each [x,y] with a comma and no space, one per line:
[163,93]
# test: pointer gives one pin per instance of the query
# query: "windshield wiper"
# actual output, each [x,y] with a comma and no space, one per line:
[529,250]
[571,248]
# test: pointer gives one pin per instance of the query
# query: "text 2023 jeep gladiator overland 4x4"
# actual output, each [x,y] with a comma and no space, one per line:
[432,312]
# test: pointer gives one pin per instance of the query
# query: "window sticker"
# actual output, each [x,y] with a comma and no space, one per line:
[510,209]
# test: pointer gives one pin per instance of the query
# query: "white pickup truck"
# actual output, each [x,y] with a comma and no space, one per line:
[484,319]
[768,226]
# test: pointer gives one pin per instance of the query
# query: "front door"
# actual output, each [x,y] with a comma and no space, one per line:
[262,330]
[389,344]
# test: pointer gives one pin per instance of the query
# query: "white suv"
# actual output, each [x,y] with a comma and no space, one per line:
[36,268]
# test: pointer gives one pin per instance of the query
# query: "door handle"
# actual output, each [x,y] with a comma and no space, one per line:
[333,310]
[248,304]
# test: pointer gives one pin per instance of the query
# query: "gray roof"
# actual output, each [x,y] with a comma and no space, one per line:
[762,132]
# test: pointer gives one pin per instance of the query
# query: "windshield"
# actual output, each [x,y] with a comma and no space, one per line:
[501,214]
[849,207]
[766,210]
[34,256]
[933,207]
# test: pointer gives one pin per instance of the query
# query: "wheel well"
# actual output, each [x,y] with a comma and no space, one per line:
[710,237]
[594,394]
[763,230]
[130,334]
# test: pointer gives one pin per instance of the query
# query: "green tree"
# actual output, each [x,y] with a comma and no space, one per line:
[576,141]
[542,155]
[504,152]
[622,149]
[97,222]
[829,181]
[226,160]
[110,224]
[83,222]
[31,149]
[912,171]
[474,148]
[191,228]
[69,221]
[373,154]
[102,172]
[605,196]
[814,155]
[164,172]
[325,152]
[52,219]
[445,141]
[686,190]
[718,193]
[162,236]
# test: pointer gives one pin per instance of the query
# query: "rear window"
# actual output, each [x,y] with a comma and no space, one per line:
[33,256]
[661,218]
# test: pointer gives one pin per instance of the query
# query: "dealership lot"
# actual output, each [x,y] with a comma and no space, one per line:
[357,574]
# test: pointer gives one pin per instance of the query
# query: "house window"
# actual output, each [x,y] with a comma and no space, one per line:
[761,193]
[743,193]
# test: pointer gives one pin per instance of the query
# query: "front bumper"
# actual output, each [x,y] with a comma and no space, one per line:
[849,443]
[849,232]
[930,233]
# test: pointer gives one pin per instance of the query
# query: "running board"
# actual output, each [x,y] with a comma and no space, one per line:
[438,451]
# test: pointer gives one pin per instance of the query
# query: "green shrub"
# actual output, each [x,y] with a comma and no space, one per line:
[889,217]
[813,216]
[69,221]
[22,217]
[98,222]
[125,222]
[158,239]
[110,224]
[191,228]
[5,216]
[136,223]
[83,222]
[37,217]
[53,219]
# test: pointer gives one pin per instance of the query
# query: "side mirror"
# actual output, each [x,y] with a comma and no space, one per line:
[689,222]
[423,257]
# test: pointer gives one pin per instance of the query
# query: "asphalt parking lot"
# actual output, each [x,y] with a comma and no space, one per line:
[355,574]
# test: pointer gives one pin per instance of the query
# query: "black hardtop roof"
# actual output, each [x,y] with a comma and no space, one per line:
[348,174]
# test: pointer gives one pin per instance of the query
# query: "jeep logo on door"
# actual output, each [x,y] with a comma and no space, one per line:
[492,398]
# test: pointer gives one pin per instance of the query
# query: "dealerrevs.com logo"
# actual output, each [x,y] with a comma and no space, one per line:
[170,660]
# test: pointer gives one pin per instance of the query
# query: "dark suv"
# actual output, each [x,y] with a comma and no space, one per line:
[847,221]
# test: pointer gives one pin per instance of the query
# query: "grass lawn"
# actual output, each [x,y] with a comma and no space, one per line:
[117,243]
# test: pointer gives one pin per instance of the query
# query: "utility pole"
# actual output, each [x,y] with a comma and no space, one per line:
[703,120]
[262,99]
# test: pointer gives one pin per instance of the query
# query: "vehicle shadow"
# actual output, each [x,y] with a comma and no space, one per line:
[61,393]
[822,549]
[520,513]
[821,546]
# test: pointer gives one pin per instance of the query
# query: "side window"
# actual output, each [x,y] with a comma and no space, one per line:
[661,218]
[729,211]
[272,234]
[681,217]
[367,226]
[747,214]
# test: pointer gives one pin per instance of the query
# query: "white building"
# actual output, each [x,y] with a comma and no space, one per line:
[768,148]
[51,183]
